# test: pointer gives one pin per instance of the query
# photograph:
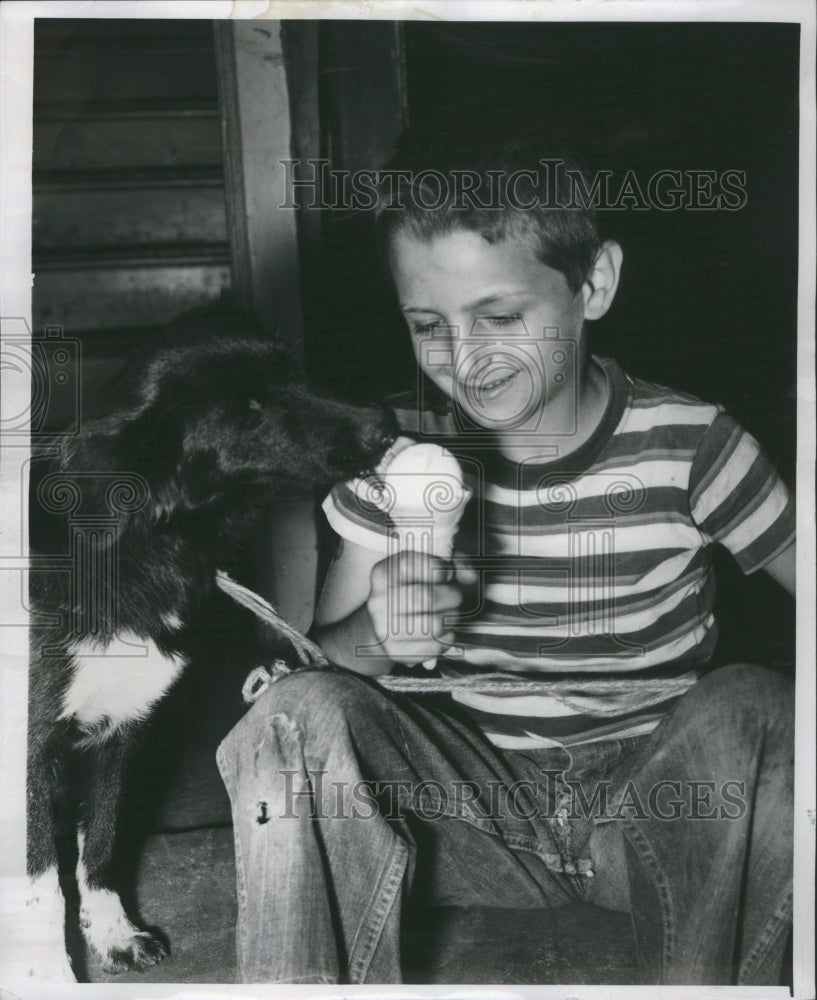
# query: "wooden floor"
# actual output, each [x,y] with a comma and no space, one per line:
[186,888]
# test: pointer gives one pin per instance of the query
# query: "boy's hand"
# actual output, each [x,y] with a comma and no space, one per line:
[410,595]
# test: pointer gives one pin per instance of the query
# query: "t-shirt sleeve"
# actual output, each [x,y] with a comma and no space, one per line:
[352,511]
[737,498]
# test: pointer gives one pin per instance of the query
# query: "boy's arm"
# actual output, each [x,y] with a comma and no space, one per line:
[375,612]
[738,500]
[783,569]
[342,624]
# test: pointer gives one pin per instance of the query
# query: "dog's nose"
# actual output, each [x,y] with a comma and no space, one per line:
[382,430]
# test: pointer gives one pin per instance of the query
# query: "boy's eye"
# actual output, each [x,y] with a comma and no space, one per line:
[434,328]
[501,321]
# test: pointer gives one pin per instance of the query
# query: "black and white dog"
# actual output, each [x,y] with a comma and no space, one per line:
[130,520]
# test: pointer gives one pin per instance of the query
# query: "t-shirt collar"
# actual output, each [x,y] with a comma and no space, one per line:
[528,474]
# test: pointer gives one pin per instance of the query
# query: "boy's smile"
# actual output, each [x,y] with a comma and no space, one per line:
[497,330]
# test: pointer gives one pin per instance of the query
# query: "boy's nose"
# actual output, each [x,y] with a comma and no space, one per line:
[470,359]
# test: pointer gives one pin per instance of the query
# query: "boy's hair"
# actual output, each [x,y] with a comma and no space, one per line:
[508,189]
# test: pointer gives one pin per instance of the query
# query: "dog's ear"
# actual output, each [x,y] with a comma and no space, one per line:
[126,464]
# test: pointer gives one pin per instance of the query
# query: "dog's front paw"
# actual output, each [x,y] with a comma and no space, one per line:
[121,945]
[136,954]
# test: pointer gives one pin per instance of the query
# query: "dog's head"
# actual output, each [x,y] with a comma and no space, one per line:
[223,418]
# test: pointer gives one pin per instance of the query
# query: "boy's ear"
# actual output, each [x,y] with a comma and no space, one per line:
[600,288]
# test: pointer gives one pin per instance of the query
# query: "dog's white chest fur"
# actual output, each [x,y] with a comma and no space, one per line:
[119,683]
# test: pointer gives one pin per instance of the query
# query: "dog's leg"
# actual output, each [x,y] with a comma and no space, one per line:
[43,918]
[40,934]
[121,944]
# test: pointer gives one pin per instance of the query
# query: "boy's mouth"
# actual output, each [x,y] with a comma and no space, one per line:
[496,383]
[490,382]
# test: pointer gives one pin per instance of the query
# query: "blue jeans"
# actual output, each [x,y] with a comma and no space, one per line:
[351,805]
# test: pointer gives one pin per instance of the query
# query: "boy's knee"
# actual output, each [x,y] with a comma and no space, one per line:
[312,698]
[735,723]
[300,715]
[746,702]
[751,686]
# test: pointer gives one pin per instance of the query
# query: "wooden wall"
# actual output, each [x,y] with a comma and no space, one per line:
[129,224]
[128,218]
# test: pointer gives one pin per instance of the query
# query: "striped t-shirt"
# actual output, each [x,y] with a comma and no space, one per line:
[597,565]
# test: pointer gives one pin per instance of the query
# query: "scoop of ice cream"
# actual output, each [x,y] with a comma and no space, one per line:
[424,495]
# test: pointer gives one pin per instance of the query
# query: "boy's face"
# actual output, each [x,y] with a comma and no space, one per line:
[498,331]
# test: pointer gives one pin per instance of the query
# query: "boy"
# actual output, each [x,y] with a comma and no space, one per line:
[597,499]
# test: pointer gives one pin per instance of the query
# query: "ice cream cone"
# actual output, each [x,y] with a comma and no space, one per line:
[424,496]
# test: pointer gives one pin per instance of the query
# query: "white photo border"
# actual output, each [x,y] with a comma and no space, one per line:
[16,65]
